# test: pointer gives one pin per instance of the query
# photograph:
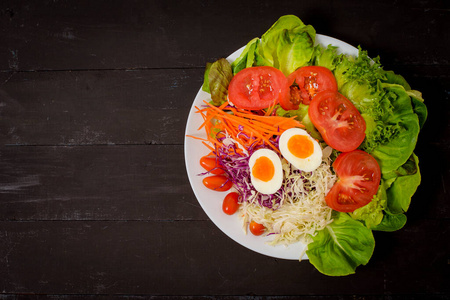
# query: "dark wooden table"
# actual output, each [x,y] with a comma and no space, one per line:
[94,197]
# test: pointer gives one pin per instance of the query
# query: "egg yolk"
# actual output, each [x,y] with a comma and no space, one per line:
[263,169]
[300,146]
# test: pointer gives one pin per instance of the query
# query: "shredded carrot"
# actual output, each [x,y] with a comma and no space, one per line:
[242,125]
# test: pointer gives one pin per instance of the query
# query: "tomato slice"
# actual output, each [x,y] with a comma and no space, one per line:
[338,121]
[306,82]
[256,88]
[359,177]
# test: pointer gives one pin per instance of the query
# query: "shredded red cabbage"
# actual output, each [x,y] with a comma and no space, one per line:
[236,166]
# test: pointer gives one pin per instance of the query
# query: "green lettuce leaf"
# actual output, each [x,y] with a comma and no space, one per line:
[341,246]
[372,214]
[325,57]
[419,107]
[216,80]
[404,183]
[391,222]
[205,86]
[247,57]
[404,125]
[287,45]
[391,77]
[362,69]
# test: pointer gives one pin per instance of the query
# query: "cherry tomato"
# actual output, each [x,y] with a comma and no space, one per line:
[230,203]
[256,88]
[359,177]
[218,183]
[338,121]
[306,82]
[209,163]
[256,228]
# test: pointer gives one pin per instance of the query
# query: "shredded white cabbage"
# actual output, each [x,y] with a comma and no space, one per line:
[302,210]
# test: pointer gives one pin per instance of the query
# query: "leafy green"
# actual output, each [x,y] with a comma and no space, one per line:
[205,86]
[419,107]
[247,57]
[341,246]
[372,213]
[325,57]
[391,222]
[404,183]
[287,45]
[361,69]
[216,80]
[391,77]
[403,126]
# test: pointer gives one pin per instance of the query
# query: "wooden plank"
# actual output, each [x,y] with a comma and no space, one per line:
[68,35]
[227,297]
[85,108]
[134,257]
[408,263]
[144,106]
[143,183]
[193,257]
[96,183]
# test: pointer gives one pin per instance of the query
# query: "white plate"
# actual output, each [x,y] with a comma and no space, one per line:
[211,201]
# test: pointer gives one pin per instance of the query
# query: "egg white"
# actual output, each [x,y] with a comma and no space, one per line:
[274,184]
[307,164]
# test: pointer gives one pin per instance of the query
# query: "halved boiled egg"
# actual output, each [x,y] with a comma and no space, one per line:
[266,172]
[300,149]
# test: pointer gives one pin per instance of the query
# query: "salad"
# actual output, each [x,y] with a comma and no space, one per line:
[309,145]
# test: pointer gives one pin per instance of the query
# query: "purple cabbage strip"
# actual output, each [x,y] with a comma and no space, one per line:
[237,170]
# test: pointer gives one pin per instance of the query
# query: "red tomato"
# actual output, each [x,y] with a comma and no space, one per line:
[256,88]
[256,228]
[209,163]
[306,82]
[359,177]
[338,121]
[230,203]
[218,183]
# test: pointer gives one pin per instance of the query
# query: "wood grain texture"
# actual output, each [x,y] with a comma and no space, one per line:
[71,108]
[67,35]
[96,183]
[94,198]
[134,257]
[98,107]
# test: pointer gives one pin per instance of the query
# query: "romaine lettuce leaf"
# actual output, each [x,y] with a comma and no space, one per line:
[341,246]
